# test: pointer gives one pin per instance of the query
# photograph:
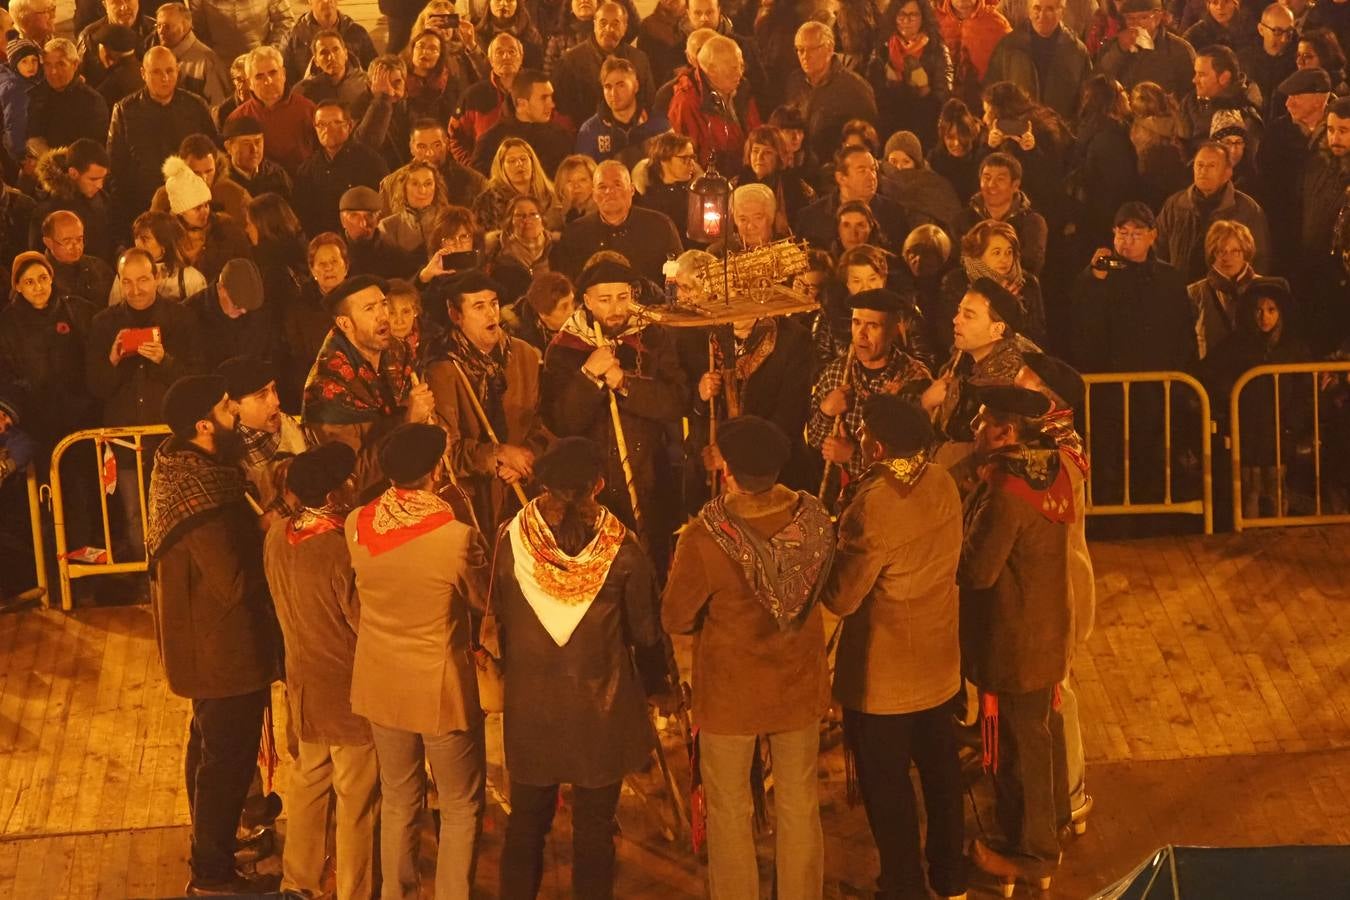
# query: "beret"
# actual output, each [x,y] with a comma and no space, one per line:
[1008,399]
[571,464]
[753,446]
[606,271]
[189,400]
[902,428]
[243,283]
[473,281]
[879,299]
[316,473]
[1002,301]
[1059,376]
[411,452]
[245,375]
[360,199]
[351,286]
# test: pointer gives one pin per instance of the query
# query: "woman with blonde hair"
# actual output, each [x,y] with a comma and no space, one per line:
[1229,250]
[991,250]
[574,187]
[516,171]
[418,197]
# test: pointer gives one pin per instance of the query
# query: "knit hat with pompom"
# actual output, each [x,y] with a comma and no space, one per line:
[187,190]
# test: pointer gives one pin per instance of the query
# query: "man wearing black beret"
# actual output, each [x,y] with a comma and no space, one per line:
[309,571]
[420,574]
[894,582]
[744,582]
[270,436]
[636,365]
[1290,142]
[1016,624]
[502,372]
[213,617]
[362,383]
[986,349]
[874,364]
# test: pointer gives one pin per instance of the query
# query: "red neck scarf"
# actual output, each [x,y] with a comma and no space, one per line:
[397,516]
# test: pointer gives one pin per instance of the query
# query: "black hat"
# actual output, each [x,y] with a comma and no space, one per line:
[753,446]
[1137,212]
[117,38]
[879,299]
[315,474]
[1268,287]
[514,280]
[571,464]
[606,271]
[1306,81]
[1008,399]
[190,400]
[246,375]
[1002,302]
[473,281]
[1059,377]
[351,286]
[241,127]
[242,283]
[903,428]
[411,452]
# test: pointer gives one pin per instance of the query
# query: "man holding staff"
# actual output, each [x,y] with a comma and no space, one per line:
[486,385]
[874,364]
[605,369]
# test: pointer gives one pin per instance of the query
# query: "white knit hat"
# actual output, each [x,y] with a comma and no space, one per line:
[187,190]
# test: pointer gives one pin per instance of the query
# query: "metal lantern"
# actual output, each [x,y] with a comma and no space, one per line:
[709,207]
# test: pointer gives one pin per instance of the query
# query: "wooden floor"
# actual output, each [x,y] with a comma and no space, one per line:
[1215,697]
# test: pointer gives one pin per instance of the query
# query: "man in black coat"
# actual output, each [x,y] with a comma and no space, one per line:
[577,76]
[646,238]
[341,163]
[147,128]
[855,178]
[1271,59]
[531,118]
[235,316]
[62,108]
[1321,273]
[1284,153]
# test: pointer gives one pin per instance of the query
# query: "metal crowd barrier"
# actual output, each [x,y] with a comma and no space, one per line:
[1204,506]
[131,439]
[39,547]
[1317,371]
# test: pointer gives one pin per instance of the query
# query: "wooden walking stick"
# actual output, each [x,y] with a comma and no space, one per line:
[487,426]
[712,412]
[622,445]
[448,464]
[838,424]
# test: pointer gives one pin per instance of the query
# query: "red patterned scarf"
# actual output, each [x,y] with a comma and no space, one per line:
[397,516]
[1034,476]
[310,523]
[344,389]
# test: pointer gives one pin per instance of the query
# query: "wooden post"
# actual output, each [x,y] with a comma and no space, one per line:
[483,420]
[838,424]
[622,444]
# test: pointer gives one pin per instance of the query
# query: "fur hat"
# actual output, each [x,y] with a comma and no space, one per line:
[186,189]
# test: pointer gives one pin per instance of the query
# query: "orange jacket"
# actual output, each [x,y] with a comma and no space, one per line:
[972,40]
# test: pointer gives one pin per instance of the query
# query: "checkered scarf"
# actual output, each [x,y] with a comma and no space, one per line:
[186,483]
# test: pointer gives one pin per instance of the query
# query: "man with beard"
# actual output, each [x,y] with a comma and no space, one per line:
[136,350]
[986,348]
[362,383]
[503,373]
[309,571]
[270,436]
[876,365]
[635,365]
[213,618]
[1017,626]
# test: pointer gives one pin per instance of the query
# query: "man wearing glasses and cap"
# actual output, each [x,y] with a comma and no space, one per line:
[1145,50]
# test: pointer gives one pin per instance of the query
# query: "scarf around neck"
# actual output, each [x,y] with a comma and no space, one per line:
[486,372]
[314,521]
[561,588]
[786,570]
[344,389]
[187,483]
[977,268]
[1035,476]
[398,516]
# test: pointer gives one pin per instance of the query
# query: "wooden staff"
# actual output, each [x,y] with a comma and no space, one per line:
[487,426]
[621,443]
[712,411]
[838,423]
[431,420]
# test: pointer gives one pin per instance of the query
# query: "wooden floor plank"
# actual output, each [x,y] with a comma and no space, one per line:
[75,741]
[34,813]
[42,687]
[121,654]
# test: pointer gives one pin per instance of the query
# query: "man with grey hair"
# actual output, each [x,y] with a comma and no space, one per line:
[754,210]
[692,45]
[645,237]
[62,108]
[233,27]
[714,108]
[287,121]
[200,70]
[34,20]
[825,90]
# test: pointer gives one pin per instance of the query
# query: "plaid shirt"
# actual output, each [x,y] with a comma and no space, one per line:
[901,371]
